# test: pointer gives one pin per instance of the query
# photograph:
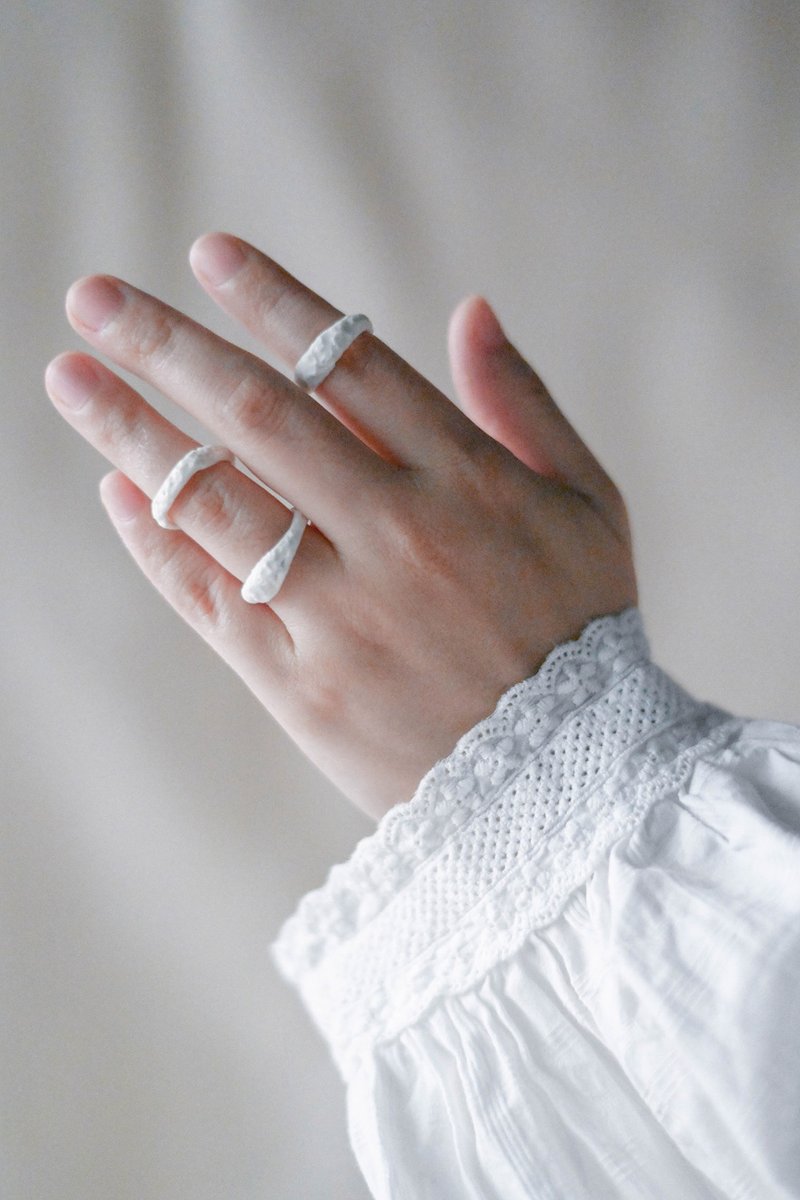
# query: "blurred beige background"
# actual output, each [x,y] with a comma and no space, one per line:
[621,180]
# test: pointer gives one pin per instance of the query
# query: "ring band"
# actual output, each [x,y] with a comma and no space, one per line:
[325,351]
[196,460]
[267,576]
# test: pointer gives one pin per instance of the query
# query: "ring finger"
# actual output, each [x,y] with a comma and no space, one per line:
[222,509]
[285,439]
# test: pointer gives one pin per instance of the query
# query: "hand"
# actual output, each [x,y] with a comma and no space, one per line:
[450,549]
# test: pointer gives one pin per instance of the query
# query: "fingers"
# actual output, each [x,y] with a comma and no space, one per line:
[230,515]
[250,638]
[505,397]
[285,438]
[371,389]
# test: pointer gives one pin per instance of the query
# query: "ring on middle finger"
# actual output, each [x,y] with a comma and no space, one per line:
[317,362]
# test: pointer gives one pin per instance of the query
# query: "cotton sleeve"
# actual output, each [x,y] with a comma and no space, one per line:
[568,968]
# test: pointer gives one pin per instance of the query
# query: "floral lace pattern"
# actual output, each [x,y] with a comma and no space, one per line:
[495,837]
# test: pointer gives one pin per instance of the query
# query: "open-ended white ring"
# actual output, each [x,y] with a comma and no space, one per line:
[267,576]
[325,351]
[196,460]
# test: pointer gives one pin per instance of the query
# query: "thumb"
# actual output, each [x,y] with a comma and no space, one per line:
[502,394]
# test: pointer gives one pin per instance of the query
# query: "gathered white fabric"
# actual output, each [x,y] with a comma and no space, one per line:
[568,968]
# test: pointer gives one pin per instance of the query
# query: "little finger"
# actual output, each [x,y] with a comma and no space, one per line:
[251,639]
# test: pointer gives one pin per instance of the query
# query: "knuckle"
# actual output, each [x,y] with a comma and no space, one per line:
[249,405]
[274,299]
[201,602]
[116,424]
[155,340]
[463,453]
[316,691]
[414,543]
[213,506]
[480,470]
[324,705]
[196,594]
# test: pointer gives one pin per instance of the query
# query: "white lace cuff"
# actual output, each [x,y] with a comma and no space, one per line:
[495,838]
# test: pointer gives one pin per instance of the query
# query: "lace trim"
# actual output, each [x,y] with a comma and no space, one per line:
[456,789]
[496,837]
[357,1002]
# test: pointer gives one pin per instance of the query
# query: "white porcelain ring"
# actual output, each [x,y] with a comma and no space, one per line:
[196,460]
[325,351]
[267,576]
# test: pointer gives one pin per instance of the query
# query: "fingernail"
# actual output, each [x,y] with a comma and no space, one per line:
[122,499]
[490,331]
[94,301]
[217,259]
[71,381]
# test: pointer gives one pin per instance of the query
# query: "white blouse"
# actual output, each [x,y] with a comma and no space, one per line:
[569,967]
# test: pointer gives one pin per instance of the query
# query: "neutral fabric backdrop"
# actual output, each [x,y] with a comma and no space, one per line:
[621,180]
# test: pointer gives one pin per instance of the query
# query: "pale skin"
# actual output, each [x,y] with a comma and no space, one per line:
[451,547]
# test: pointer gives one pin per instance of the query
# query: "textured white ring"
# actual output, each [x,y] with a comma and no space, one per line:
[196,460]
[325,351]
[267,576]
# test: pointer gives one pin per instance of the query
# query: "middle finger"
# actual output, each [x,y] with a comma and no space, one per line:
[288,441]
[372,390]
